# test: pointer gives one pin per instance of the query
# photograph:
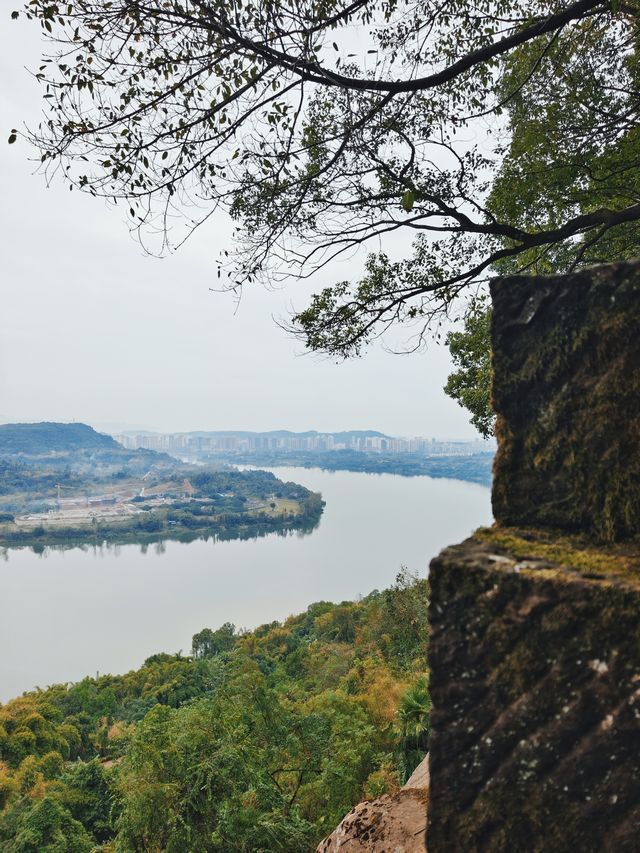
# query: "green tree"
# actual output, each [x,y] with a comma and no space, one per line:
[570,153]
[325,127]
[89,798]
[208,643]
[470,383]
[47,827]
[263,749]
[339,625]
[561,159]
[413,717]
[403,619]
[218,775]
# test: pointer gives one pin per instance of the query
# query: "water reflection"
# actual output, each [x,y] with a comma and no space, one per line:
[301,528]
[69,612]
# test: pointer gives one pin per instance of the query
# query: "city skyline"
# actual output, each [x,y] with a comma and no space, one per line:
[243,441]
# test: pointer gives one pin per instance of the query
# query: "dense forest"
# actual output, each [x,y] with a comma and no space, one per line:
[257,741]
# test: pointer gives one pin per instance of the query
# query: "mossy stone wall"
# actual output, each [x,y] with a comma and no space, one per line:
[535,683]
[534,651]
[566,359]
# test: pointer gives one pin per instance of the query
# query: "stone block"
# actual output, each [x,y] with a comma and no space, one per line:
[566,359]
[534,657]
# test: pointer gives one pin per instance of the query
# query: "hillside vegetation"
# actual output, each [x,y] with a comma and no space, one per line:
[258,741]
[46,437]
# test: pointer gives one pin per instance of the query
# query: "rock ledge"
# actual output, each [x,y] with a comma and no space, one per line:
[393,823]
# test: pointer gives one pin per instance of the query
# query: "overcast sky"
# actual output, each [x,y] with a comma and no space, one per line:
[94,330]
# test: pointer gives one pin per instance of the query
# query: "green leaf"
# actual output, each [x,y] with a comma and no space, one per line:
[12,138]
[408,200]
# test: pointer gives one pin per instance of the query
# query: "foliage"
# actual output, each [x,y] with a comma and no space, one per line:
[567,155]
[324,127]
[208,643]
[571,153]
[261,741]
[470,384]
[413,713]
[45,826]
[46,438]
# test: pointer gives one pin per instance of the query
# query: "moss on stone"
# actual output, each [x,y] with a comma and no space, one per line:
[559,552]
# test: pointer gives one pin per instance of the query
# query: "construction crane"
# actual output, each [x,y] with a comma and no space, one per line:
[60,486]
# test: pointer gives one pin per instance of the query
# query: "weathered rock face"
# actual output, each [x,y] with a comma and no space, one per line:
[420,776]
[393,823]
[566,358]
[535,636]
[535,682]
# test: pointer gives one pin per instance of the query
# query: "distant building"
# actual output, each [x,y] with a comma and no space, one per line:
[193,445]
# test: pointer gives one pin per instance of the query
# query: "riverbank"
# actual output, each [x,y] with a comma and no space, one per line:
[476,468]
[278,515]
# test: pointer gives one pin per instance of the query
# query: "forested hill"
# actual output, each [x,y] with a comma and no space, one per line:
[46,437]
[258,741]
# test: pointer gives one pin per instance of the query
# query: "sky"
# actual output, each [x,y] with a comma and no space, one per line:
[92,329]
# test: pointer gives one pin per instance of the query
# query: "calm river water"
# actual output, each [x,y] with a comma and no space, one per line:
[67,614]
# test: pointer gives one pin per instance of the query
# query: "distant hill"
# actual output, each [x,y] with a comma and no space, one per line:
[274,433]
[42,438]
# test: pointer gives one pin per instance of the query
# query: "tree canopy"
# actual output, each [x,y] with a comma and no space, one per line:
[498,134]
[470,382]
[261,741]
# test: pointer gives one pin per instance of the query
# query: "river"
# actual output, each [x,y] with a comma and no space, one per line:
[67,614]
